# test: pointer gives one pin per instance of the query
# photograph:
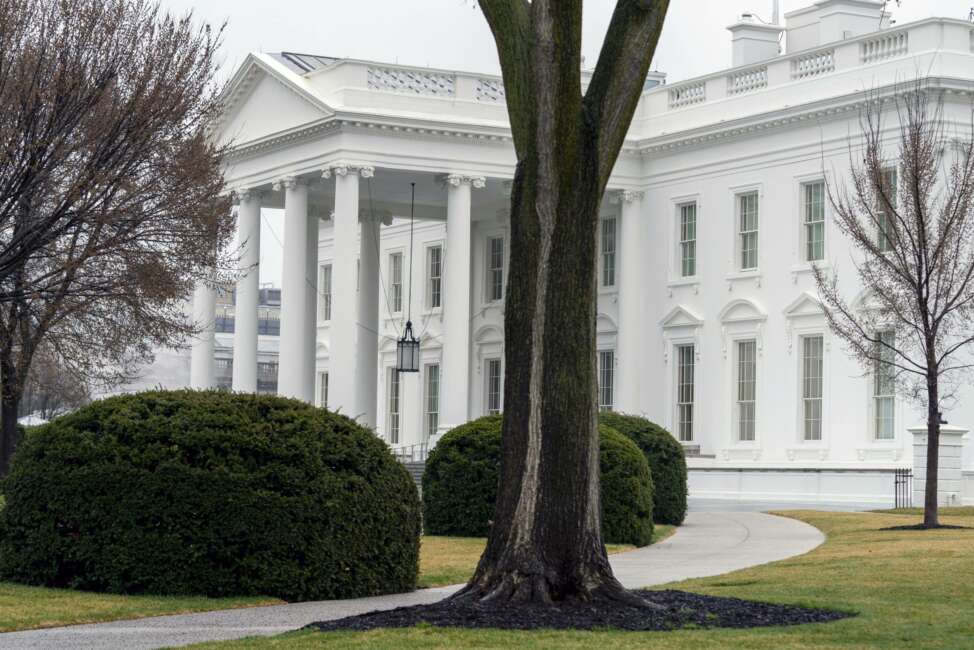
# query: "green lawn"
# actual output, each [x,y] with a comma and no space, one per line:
[443,561]
[910,589]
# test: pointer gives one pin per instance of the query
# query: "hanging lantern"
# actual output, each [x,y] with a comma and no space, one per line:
[407,351]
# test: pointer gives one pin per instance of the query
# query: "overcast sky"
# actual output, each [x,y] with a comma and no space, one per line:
[452,34]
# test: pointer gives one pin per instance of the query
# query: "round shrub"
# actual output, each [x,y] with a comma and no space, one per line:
[209,493]
[460,484]
[666,461]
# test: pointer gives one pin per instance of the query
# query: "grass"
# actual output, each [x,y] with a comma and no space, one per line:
[25,608]
[444,561]
[965,511]
[452,560]
[910,589]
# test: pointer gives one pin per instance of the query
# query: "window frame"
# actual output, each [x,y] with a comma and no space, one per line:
[883,242]
[877,397]
[683,243]
[608,258]
[490,270]
[489,363]
[396,288]
[432,280]
[678,383]
[325,282]
[606,390]
[805,224]
[739,400]
[804,377]
[740,233]
[393,405]
[431,400]
[323,389]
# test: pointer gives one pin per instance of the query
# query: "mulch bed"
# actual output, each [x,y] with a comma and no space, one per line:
[681,610]
[922,527]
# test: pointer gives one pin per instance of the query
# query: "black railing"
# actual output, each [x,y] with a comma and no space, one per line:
[903,488]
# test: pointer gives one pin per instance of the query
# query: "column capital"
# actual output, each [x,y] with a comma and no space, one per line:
[456,180]
[289,183]
[626,196]
[345,168]
[246,194]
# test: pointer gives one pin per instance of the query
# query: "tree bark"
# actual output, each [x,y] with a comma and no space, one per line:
[9,406]
[545,546]
[931,515]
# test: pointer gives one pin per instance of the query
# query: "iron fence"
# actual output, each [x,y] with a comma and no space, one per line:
[903,488]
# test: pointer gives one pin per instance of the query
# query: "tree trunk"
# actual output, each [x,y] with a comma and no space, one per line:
[9,406]
[931,489]
[545,545]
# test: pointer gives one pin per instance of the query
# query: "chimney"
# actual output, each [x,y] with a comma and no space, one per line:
[828,21]
[753,41]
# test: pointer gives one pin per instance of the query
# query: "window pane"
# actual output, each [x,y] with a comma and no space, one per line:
[748,206]
[688,240]
[434,269]
[684,391]
[495,268]
[608,252]
[325,290]
[606,376]
[493,386]
[884,379]
[746,382]
[812,382]
[432,399]
[393,406]
[815,221]
[395,281]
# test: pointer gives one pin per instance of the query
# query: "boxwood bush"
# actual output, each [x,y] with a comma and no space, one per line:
[460,484]
[209,493]
[666,461]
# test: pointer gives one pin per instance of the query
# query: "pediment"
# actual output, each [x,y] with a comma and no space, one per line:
[806,304]
[680,316]
[742,310]
[604,323]
[488,334]
[263,101]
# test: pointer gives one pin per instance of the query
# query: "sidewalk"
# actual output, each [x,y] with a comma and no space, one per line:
[709,543]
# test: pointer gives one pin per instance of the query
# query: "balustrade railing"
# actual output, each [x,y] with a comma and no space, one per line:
[411,453]
[747,80]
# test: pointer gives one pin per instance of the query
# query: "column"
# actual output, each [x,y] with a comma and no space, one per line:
[629,353]
[456,303]
[311,311]
[294,295]
[202,374]
[343,385]
[247,294]
[367,343]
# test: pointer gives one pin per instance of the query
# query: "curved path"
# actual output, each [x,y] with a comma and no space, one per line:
[709,543]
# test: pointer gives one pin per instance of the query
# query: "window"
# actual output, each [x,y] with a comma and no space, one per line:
[432,399]
[269,321]
[607,362]
[493,386]
[884,375]
[885,222]
[748,230]
[814,219]
[324,286]
[434,274]
[393,406]
[608,252]
[684,391]
[323,389]
[688,240]
[495,269]
[812,366]
[746,383]
[395,281]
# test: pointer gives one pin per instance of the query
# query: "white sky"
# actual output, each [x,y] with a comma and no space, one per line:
[452,34]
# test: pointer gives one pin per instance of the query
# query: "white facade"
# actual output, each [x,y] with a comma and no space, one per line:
[713,210]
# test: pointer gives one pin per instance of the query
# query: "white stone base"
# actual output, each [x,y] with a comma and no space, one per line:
[967,496]
[949,476]
[873,488]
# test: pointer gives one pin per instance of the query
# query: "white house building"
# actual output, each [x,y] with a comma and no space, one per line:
[708,320]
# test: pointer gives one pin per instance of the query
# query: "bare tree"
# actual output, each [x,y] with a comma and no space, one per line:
[51,388]
[909,214]
[545,545]
[111,199]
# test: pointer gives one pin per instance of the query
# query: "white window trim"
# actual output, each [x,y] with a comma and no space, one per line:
[676,345]
[734,270]
[800,333]
[486,383]
[427,434]
[734,332]
[675,277]
[322,296]
[427,298]
[871,438]
[390,372]
[602,287]
[403,280]
[498,234]
[598,369]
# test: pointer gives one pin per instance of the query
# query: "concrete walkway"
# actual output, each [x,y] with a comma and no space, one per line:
[709,543]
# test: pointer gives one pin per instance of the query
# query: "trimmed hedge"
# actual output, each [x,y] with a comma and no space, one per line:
[209,493]
[460,484]
[667,462]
